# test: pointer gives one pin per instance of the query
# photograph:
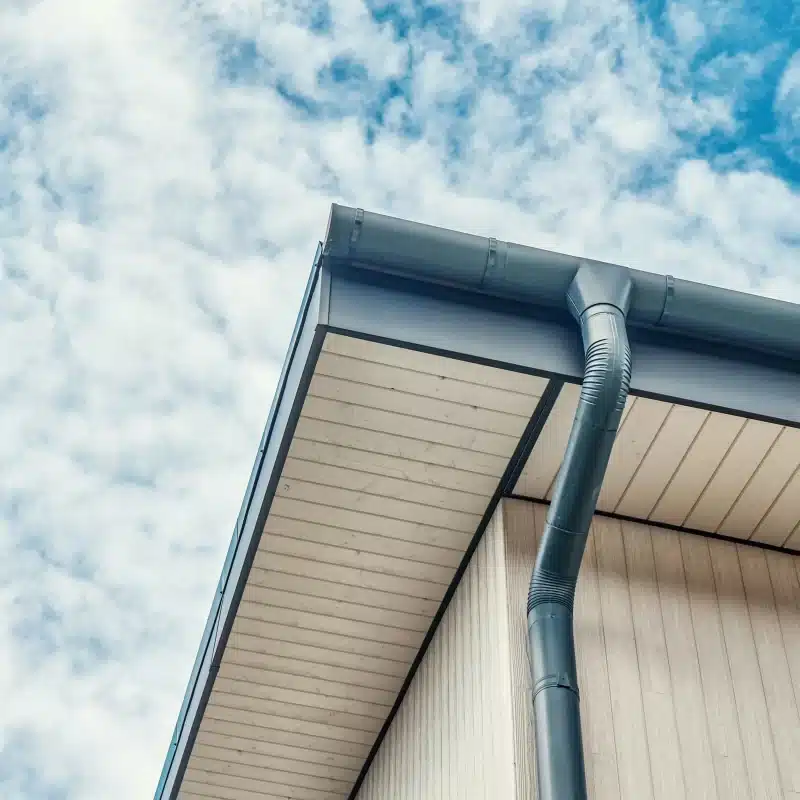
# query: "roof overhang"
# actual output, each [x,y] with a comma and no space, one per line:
[405,410]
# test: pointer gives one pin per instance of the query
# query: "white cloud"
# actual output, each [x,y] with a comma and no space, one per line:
[687,25]
[156,231]
[787,105]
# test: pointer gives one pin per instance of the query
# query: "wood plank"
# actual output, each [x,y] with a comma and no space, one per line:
[423,384]
[231,787]
[778,523]
[443,366]
[274,721]
[692,725]
[545,459]
[293,692]
[748,684]
[596,710]
[344,584]
[651,650]
[409,511]
[374,543]
[486,761]
[284,596]
[216,793]
[706,453]
[764,487]
[793,542]
[289,661]
[471,677]
[784,571]
[630,731]
[417,408]
[776,679]
[375,702]
[354,727]
[330,625]
[522,534]
[636,434]
[720,705]
[285,571]
[736,469]
[274,770]
[256,753]
[483,446]
[355,520]
[368,451]
[437,691]
[323,749]
[274,547]
[383,486]
[318,655]
[329,641]
[662,460]
[359,559]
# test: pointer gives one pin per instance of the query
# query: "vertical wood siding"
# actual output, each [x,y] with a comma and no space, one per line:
[689,667]
[453,736]
[689,661]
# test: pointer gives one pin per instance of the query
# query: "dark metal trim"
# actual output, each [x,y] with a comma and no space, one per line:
[526,444]
[667,526]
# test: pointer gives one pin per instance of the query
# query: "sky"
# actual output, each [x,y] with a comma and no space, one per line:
[166,169]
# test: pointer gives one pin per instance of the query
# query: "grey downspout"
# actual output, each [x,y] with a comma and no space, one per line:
[599,298]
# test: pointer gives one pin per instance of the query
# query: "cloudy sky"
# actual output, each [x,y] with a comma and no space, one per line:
[166,167]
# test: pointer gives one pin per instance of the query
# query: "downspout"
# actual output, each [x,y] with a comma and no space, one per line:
[599,299]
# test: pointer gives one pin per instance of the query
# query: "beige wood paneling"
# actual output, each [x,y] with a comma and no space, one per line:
[686,467]
[688,656]
[452,737]
[395,458]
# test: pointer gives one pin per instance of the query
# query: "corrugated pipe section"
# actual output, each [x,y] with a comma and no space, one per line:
[599,299]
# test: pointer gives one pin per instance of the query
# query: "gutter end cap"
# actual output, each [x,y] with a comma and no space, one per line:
[341,222]
[596,284]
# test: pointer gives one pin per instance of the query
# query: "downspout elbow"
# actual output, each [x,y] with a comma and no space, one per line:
[599,298]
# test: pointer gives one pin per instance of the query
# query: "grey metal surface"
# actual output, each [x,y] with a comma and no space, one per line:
[542,277]
[598,298]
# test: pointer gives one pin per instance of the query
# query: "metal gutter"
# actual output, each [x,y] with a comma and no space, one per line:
[541,277]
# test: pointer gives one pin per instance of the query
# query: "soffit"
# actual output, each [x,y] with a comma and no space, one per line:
[393,463]
[679,465]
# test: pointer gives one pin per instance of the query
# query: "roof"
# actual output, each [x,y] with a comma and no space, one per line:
[423,383]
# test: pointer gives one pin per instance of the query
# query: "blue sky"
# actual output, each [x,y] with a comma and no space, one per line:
[165,171]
